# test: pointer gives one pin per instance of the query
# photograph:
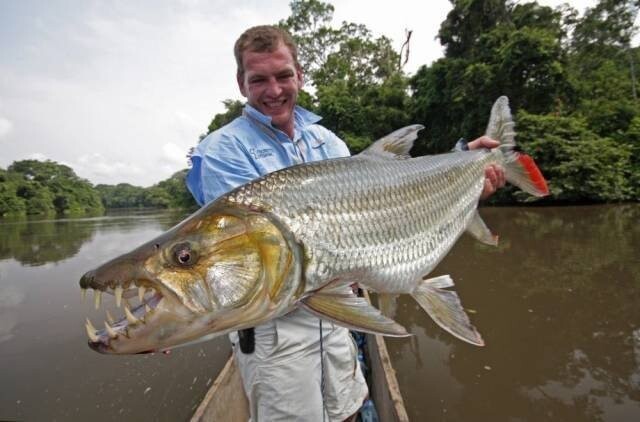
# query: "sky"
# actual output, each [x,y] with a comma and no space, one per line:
[120,90]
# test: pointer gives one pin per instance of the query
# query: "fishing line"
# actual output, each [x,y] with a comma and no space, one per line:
[322,371]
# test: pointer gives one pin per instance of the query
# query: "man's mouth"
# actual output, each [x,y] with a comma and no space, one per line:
[275,104]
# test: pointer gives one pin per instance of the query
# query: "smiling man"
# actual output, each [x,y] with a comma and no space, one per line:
[295,367]
[284,374]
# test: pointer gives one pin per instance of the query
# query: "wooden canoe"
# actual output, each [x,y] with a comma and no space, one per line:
[226,401]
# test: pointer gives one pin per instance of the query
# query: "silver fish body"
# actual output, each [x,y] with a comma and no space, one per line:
[382,223]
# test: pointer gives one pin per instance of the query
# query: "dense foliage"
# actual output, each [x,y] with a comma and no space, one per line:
[169,193]
[31,187]
[570,79]
[575,96]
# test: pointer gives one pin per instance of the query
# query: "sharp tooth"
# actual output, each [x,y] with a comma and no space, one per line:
[132,319]
[141,293]
[147,308]
[110,318]
[112,333]
[83,294]
[118,292]
[91,332]
[96,298]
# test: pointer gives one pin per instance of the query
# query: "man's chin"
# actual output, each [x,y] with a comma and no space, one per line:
[280,119]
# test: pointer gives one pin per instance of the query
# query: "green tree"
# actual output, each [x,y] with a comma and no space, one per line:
[493,49]
[122,195]
[467,21]
[233,110]
[603,66]
[47,187]
[361,91]
[581,166]
[309,25]
[176,190]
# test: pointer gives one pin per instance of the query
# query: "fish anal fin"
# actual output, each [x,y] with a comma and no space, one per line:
[444,307]
[352,312]
[478,229]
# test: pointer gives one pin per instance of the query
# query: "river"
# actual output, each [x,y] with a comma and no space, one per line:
[558,305]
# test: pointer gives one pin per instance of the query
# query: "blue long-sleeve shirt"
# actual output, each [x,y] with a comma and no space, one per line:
[250,147]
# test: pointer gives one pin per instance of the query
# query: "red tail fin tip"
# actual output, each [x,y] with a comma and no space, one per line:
[534,173]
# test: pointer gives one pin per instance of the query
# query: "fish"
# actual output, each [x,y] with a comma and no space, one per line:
[300,236]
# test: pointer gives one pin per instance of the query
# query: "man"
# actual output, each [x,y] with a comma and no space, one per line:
[284,376]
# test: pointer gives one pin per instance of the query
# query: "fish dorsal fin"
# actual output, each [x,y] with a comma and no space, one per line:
[353,312]
[395,145]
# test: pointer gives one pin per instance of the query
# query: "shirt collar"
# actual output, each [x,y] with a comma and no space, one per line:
[302,117]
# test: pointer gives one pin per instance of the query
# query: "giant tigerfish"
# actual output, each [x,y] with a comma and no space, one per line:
[299,236]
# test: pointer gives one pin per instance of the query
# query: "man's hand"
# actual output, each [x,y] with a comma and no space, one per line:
[494,175]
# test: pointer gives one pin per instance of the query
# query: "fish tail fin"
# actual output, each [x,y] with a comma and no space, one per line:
[520,169]
[444,307]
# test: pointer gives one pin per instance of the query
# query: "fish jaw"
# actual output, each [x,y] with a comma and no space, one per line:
[239,271]
[149,325]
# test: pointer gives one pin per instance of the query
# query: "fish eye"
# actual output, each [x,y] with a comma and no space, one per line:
[183,255]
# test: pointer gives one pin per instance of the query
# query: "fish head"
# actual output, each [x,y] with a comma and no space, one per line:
[222,269]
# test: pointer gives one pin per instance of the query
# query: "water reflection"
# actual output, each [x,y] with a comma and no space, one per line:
[557,304]
[38,242]
[47,370]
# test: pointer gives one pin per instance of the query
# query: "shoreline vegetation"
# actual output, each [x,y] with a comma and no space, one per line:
[571,80]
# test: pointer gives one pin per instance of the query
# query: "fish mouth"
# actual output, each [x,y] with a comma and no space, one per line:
[138,300]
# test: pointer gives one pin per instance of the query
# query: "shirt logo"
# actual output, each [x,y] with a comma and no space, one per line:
[260,153]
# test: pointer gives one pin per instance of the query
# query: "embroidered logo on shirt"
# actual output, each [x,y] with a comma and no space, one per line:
[260,153]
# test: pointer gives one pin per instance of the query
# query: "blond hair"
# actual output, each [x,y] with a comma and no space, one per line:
[263,39]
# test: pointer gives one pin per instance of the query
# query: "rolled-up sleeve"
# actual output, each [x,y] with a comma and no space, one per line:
[219,164]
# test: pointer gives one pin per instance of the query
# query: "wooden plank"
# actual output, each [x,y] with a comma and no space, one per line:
[385,390]
[225,400]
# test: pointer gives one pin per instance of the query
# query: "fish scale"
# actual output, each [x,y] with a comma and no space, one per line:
[411,205]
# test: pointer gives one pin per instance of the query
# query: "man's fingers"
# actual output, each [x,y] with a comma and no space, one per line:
[501,177]
[483,142]
[488,189]
[493,180]
[491,174]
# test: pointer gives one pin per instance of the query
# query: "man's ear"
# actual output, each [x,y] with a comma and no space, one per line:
[240,80]
[299,76]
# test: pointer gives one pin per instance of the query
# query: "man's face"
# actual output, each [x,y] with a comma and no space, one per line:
[271,82]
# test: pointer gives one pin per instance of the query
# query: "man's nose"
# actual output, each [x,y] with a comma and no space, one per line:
[274,89]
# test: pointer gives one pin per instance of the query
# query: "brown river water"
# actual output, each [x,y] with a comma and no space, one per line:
[558,304]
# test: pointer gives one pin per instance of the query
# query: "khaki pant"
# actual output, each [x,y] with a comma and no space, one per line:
[282,378]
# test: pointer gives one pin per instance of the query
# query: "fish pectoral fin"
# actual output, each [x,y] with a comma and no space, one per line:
[444,307]
[478,229]
[353,312]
